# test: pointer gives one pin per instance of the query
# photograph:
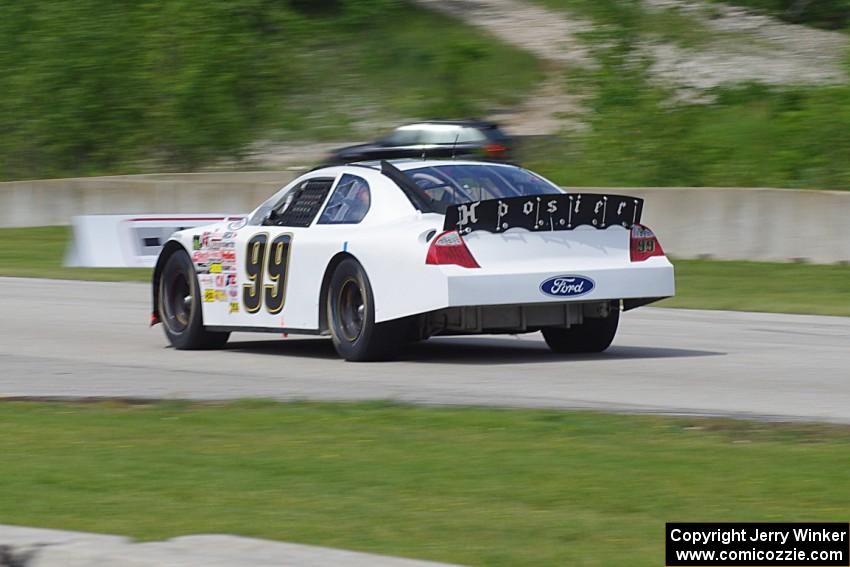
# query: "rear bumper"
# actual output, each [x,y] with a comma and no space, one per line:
[652,278]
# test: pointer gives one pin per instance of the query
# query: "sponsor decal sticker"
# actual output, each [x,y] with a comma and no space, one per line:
[215,268]
[234,307]
[553,212]
[567,286]
[220,295]
[209,295]
[196,242]
[237,224]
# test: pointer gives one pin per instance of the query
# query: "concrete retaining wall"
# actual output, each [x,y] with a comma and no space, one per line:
[751,224]
[55,201]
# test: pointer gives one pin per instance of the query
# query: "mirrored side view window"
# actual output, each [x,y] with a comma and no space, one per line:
[349,203]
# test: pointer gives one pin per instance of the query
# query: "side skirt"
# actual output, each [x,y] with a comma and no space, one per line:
[279,330]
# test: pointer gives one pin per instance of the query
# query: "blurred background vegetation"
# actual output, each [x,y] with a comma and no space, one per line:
[745,135]
[751,135]
[115,86]
[100,87]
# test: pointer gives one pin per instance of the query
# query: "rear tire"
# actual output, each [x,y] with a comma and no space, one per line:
[351,317]
[594,335]
[179,306]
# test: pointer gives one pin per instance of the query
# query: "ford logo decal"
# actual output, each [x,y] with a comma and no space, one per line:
[567,286]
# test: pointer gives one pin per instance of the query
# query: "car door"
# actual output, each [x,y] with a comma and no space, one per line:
[269,265]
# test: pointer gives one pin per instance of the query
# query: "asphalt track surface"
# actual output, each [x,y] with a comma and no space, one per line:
[61,339]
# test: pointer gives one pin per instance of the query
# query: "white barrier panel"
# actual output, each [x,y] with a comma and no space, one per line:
[128,241]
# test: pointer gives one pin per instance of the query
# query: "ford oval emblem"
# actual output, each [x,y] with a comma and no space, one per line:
[567,286]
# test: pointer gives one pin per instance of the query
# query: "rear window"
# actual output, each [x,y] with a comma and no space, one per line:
[456,184]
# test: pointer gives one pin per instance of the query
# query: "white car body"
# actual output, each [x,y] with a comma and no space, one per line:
[391,243]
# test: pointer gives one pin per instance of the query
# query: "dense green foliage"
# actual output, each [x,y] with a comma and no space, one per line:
[467,486]
[750,136]
[102,86]
[86,85]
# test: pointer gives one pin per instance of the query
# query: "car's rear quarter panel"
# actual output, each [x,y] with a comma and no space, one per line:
[394,260]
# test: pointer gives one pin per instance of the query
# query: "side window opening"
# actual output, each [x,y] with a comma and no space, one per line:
[349,203]
[301,205]
[441,135]
[404,136]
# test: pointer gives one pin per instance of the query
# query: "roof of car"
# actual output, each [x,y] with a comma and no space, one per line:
[405,164]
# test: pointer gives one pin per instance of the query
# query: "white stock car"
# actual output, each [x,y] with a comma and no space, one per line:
[376,254]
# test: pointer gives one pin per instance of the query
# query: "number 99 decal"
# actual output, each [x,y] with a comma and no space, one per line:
[263,258]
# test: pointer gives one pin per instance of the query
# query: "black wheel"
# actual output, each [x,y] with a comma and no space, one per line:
[180,306]
[594,335]
[351,317]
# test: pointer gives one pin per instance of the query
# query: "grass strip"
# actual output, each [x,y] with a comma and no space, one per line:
[762,286]
[470,486]
[38,252]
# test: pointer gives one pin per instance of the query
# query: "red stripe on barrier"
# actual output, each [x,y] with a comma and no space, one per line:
[152,219]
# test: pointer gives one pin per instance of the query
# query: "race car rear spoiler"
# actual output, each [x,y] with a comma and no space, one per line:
[545,213]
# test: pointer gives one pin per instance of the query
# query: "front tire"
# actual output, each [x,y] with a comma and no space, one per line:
[351,317]
[593,335]
[180,306]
